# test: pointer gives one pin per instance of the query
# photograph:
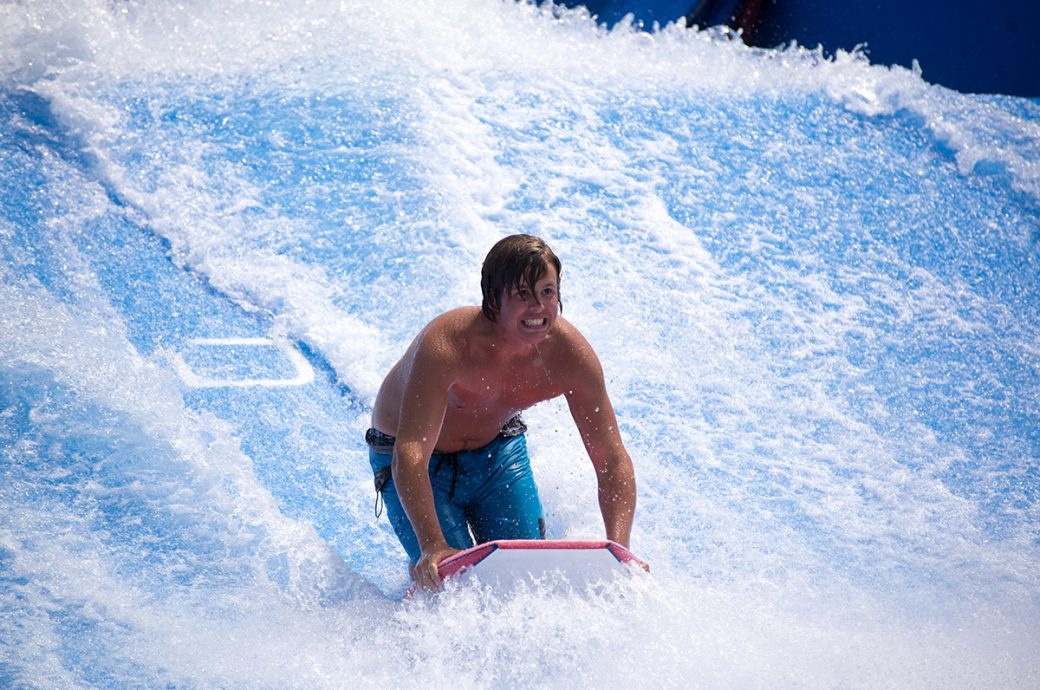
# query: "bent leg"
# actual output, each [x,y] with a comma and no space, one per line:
[508,506]
[451,516]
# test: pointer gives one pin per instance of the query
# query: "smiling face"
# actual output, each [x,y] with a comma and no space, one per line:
[530,313]
[519,264]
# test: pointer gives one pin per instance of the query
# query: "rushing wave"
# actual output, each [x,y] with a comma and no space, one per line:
[814,285]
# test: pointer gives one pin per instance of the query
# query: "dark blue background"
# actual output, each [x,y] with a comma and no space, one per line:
[970,47]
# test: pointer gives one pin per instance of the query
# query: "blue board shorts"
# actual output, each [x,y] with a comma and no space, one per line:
[480,495]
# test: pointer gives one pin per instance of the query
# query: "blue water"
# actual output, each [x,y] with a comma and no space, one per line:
[814,285]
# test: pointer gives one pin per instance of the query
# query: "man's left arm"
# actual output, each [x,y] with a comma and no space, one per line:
[594,416]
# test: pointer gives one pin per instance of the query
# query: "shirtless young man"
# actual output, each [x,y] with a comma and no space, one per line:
[446,420]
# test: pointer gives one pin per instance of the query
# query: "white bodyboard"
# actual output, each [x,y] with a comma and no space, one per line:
[502,564]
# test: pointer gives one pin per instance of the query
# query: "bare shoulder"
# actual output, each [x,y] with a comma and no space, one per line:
[444,339]
[451,324]
[571,352]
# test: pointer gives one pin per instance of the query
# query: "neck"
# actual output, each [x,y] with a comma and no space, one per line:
[506,344]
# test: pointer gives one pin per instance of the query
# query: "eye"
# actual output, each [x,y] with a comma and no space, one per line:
[524,294]
[548,292]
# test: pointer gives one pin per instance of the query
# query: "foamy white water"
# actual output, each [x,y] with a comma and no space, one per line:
[813,285]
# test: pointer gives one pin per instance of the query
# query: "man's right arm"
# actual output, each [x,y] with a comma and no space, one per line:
[423,405]
[411,477]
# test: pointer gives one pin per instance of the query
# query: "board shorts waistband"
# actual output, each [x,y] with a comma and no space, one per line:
[384,443]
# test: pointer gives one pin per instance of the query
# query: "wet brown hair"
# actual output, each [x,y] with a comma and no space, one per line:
[514,261]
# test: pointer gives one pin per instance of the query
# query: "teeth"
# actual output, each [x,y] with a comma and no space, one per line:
[534,322]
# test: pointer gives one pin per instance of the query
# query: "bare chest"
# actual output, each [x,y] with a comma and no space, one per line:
[502,390]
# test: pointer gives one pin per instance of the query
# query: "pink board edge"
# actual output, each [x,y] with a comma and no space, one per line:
[466,559]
